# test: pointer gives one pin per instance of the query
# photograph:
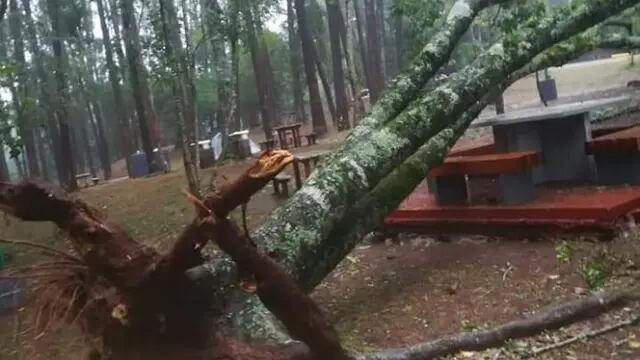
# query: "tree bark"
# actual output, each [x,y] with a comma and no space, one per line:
[374,50]
[68,166]
[179,62]
[334,16]
[382,35]
[23,120]
[327,89]
[89,60]
[309,56]
[295,61]
[398,32]
[139,85]
[312,213]
[362,43]
[45,91]
[261,68]
[124,131]
[4,169]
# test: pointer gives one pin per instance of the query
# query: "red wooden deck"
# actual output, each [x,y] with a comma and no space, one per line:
[575,207]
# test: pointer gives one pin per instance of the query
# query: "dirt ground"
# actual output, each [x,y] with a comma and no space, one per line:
[384,294]
[391,293]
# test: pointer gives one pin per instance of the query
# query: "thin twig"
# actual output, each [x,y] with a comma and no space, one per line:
[583,336]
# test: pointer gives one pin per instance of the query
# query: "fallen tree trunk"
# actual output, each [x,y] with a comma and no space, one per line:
[405,87]
[300,231]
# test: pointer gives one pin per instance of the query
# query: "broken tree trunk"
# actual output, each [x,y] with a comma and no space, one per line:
[139,312]
[299,231]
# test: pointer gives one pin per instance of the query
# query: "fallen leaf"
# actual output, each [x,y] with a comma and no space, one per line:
[634,344]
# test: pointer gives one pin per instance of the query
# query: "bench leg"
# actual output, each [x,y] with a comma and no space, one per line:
[285,189]
[276,188]
[618,168]
[431,185]
[451,189]
[517,188]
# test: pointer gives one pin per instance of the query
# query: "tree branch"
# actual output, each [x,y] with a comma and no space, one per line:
[104,246]
[552,319]
[405,87]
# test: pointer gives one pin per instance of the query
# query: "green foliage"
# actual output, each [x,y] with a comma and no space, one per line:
[597,270]
[468,326]
[563,252]
[422,18]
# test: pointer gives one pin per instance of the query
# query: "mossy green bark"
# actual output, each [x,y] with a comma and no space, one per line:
[308,232]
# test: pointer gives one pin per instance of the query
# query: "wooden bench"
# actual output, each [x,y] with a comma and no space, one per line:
[281,185]
[95,181]
[311,139]
[84,178]
[267,145]
[617,156]
[512,169]
[475,149]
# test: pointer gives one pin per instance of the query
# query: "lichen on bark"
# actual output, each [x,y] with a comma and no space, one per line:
[302,231]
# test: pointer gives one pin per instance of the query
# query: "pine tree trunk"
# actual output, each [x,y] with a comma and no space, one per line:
[45,91]
[88,51]
[23,118]
[362,44]
[295,60]
[183,96]
[68,165]
[327,89]
[234,102]
[124,131]
[41,139]
[309,56]
[261,68]
[334,16]
[4,169]
[88,153]
[140,87]
[382,35]
[398,33]
[355,101]
[374,49]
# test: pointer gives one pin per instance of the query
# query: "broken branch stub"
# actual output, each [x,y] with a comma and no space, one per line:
[231,195]
[104,246]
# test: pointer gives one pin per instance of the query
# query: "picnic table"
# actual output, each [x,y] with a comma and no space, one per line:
[617,156]
[307,159]
[283,131]
[558,132]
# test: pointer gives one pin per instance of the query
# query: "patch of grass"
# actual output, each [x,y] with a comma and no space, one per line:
[353,343]
[563,252]
[468,326]
[597,270]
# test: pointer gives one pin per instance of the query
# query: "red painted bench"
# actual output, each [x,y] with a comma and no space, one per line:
[624,140]
[602,131]
[617,156]
[490,164]
[449,180]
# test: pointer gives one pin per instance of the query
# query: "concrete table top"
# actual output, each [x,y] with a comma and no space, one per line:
[548,113]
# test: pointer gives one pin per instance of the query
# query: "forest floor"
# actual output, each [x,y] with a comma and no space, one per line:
[390,293]
[384,294]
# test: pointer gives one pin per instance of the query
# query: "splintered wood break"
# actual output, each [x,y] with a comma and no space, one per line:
[201,208]
[270,163]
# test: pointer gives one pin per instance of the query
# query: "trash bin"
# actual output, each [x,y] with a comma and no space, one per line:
[11,294]
[548,89]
